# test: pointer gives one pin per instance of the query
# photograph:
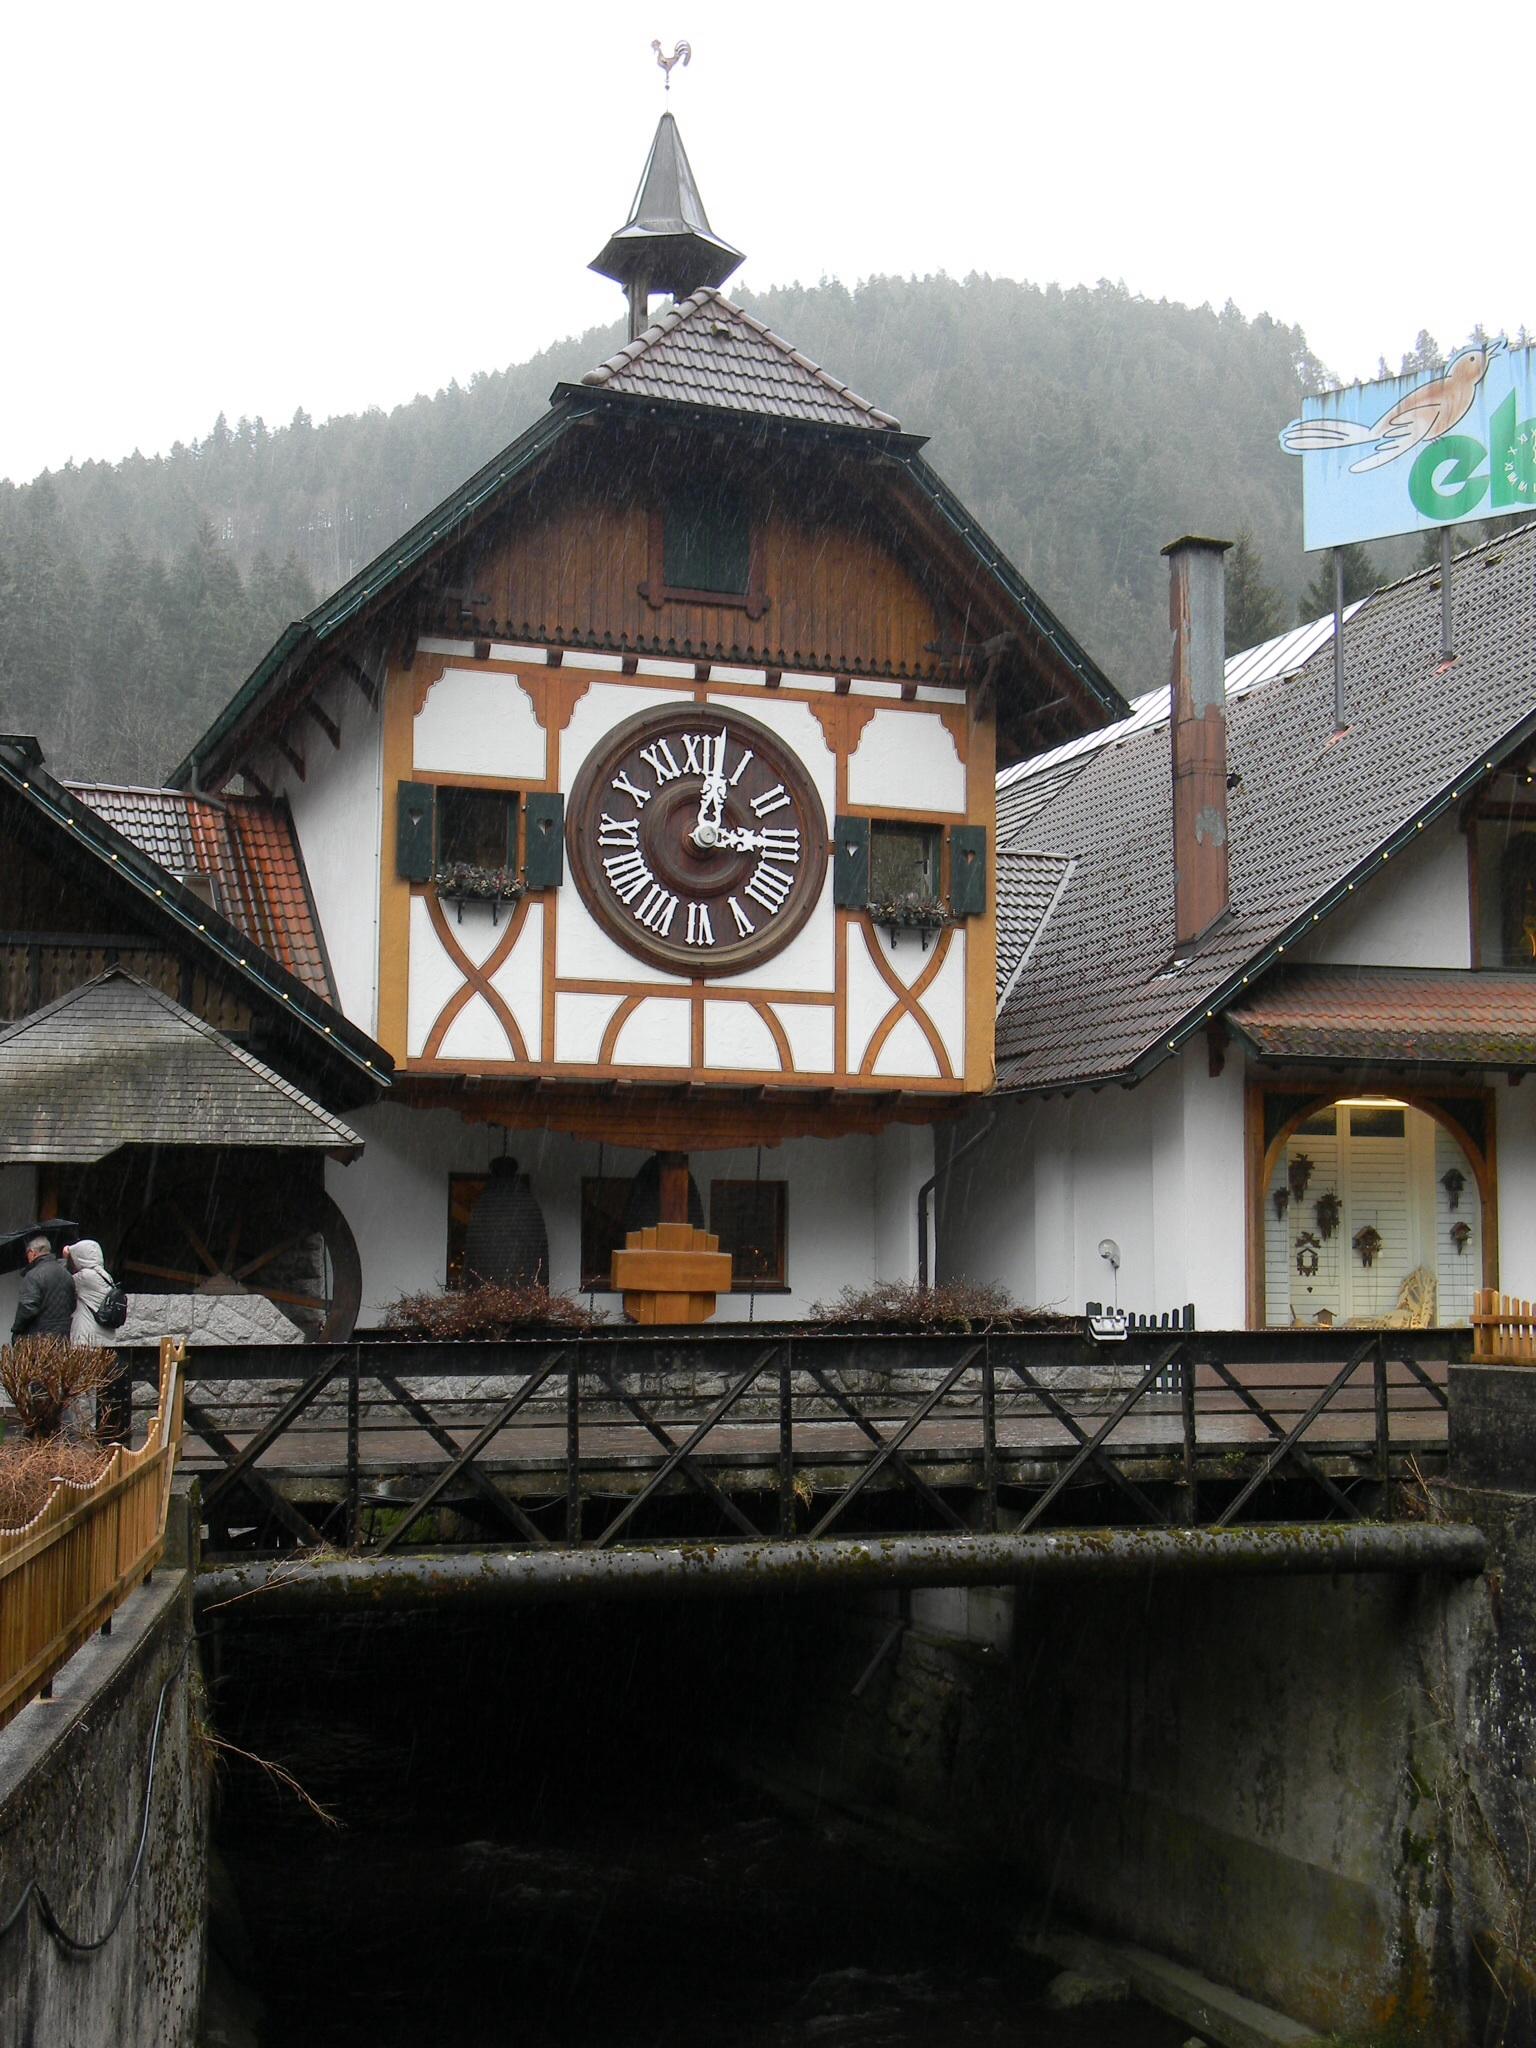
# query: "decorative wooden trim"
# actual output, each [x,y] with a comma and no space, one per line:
[670,1273]
[394,893]
[778,1034]
[615,1025]
[477,980]
[290,754]
[1474,892]
[906,1003]
[358,675]
[326,723]
[712,992]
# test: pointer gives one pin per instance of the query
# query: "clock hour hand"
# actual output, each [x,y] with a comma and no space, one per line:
[707,830]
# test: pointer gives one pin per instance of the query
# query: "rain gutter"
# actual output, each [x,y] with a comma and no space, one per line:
[294,1588]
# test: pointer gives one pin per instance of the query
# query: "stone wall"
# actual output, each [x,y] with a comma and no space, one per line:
[1281,1782]
[73,1779]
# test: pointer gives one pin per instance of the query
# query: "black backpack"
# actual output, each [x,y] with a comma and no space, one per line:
[113,1312]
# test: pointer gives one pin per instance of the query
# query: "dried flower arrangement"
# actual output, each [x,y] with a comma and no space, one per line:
[461,882]
[952,1305]
[29,1469]
[487,1312]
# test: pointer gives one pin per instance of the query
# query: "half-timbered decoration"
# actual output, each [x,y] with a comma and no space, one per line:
[173,1072]
[645,789]
[1311,1106]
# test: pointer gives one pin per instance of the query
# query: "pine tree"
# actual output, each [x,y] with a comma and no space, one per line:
[1360,579]
[1254,609]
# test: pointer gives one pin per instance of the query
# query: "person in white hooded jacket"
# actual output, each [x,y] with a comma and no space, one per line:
[92,1282]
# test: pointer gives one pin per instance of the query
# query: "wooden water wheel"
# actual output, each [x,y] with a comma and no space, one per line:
[295,1249]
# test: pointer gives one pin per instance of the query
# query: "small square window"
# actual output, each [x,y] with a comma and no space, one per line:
[1376,1123]
[603,1203]
[464,1190]
[706,542]
[903,863]
[476,826]
[748,1217]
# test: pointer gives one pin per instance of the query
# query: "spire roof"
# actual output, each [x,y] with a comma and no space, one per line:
[667,241]
[705,351]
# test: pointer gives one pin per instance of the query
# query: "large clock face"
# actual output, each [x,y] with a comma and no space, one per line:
[697,839]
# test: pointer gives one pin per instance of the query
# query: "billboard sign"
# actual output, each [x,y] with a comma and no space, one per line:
[1409,454]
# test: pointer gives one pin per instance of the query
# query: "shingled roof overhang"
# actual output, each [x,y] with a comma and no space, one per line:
[116,1062]
[355,1068]
[1392,1016]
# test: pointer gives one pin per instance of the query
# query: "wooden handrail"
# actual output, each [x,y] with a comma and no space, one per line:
[63,1572]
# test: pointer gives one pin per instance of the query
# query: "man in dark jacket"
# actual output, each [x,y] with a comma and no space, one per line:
[46,1301]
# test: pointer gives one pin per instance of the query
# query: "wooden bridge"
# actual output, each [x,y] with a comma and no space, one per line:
[792,1435]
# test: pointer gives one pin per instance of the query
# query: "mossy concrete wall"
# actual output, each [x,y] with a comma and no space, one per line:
[1271,1780]
[73,1780]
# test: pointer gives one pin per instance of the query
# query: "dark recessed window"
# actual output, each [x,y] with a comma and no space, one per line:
[464,1190]
[748,1218]
[476,826]
[903,862]
[706,542]
[603,1202]
[1324,1125]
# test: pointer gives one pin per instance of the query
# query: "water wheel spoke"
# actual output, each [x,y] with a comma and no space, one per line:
[193,1239]
[289,1300]
[191,1280]
[272,1252]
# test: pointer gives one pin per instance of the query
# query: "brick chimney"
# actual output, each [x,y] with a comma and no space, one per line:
[1198,727]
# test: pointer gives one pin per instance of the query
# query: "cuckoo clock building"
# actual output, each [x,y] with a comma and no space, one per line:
[645,792]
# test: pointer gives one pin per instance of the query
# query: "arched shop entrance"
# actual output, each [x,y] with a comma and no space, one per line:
[1373,1207]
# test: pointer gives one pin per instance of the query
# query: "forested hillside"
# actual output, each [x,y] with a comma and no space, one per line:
[1084,428]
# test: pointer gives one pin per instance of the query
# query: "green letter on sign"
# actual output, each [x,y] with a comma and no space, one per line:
[1455,496]
[1512,457]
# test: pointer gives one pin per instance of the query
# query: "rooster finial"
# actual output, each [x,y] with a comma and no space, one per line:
[683,51]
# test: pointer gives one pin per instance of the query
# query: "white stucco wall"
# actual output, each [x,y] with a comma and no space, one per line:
[851,1203]
[1159,1169]
[337,813]
[1414,912]
[1515,1123]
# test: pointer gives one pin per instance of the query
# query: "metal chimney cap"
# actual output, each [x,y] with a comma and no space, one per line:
[1195,540]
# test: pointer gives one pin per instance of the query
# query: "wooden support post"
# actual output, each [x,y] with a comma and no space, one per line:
[673,1176]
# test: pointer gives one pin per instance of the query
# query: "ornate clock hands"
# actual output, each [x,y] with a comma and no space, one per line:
[708,831]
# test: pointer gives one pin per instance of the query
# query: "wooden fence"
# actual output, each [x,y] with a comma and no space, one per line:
[63,1573]
[1504,1329]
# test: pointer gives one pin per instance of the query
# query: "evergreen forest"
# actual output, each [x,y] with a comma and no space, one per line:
[1084,428]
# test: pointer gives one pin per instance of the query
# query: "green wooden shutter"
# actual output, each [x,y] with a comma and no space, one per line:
[968,870]
[544,863]
[414,831]
[850,863]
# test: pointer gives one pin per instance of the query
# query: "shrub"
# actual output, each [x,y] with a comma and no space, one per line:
[43,1375]
[487,1311]
[29,1468]
[964,1305]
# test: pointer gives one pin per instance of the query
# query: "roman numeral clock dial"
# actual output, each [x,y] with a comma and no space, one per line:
[697,839]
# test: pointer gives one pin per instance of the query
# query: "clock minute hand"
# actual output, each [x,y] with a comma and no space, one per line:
[712,793]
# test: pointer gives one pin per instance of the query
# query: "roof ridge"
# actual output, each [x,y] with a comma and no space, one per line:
[710,296]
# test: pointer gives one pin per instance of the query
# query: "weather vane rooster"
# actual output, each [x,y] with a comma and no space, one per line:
[683,51]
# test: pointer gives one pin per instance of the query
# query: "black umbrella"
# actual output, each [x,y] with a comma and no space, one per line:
[13,1243]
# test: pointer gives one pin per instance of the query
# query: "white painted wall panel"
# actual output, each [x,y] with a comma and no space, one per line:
[477,928]
[1414,912]
[519,981]
[433,978]
[477,1033]
[907,760]
[1458,1275]
[475,722]
[580,1021]
[906,1053]
[811,1029]
[736,1036]
[338,817]
[868,999]
[799,727]
[1516,1123]
[944,1002]
[658,1033]
[809,962]
[584,951]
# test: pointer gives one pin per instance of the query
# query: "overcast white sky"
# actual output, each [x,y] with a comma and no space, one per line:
[337,204]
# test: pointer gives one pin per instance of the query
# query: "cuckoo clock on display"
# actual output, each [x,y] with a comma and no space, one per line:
[697,839]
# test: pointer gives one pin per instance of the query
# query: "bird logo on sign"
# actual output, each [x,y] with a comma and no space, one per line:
[683,51]
[1423,415]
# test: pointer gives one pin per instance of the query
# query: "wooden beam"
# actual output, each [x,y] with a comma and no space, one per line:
[249,775]
[291,755]
[356,673]
[326,723]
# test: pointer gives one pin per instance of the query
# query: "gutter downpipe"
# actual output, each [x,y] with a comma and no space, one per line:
[925,1193]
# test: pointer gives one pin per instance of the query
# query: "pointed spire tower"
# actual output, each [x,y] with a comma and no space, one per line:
[667,244]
